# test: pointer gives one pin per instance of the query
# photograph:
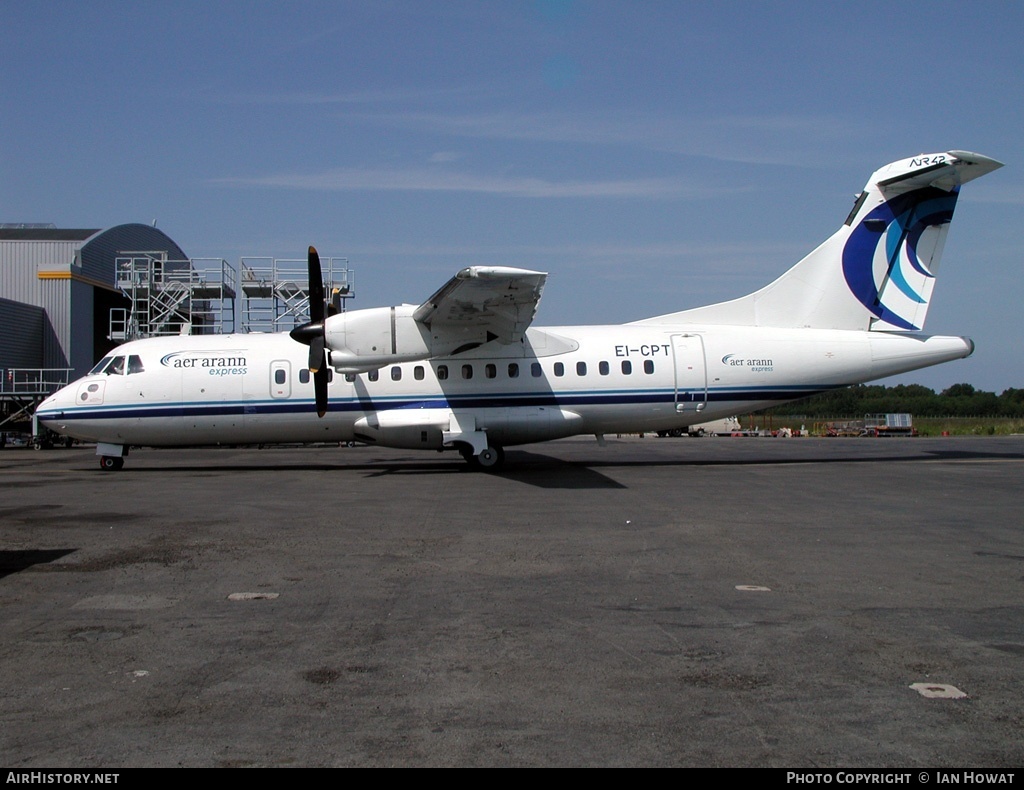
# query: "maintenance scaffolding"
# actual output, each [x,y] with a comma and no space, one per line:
[173,297]
[275,291]
[197,296]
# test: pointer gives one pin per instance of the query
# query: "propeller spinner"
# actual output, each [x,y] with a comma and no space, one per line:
[312,333]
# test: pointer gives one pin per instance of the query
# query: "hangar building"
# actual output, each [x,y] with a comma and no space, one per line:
[57,288]
[68,296]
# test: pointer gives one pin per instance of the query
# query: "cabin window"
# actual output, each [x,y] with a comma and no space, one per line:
[627,367]
[513,370]
[602,368]
[559,369]
[279,376]
[581,368]
[442,372]
[648,366]
[350,377]
[535,370]
[417,373]
[100,366]
[373,375]
[396,373]
[135,364]
[304,376]
[467,371]
[490,371]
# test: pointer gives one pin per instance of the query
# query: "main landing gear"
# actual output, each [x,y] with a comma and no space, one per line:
[490,459]
[111,463]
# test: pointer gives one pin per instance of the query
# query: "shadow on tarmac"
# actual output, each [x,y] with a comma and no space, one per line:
[550,472]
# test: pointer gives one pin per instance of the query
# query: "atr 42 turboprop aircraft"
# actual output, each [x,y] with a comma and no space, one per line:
[465,371]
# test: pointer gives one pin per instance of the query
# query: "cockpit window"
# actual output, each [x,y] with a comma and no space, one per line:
[100,366]
[116,367]
[135,364]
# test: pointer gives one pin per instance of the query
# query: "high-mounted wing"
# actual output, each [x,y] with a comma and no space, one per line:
[494,302]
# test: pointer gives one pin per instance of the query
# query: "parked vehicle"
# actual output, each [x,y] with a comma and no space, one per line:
[723,427]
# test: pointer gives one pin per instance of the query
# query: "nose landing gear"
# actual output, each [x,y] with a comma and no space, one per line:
[111,456]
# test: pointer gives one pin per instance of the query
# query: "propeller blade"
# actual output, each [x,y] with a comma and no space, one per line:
[312,333]
[316,287]
[316,352]
[320,390]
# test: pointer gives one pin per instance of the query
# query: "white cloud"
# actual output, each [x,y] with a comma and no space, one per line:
[770,139]
[436,180]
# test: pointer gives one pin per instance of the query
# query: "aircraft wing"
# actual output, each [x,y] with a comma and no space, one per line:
[490,302]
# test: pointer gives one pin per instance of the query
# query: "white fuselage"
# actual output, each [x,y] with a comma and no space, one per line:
[560,381]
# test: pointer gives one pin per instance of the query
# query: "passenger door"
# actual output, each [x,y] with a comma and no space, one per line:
[691,372]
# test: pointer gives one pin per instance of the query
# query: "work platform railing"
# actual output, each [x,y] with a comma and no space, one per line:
[22,389]
[33,381]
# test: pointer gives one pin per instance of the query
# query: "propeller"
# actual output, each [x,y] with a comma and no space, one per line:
[312,333]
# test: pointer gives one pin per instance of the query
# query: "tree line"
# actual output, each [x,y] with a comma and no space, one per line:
[960,400]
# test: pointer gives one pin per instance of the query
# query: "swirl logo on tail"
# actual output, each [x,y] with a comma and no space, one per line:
[881,259]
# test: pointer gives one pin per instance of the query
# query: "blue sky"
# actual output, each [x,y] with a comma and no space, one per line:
[651,156]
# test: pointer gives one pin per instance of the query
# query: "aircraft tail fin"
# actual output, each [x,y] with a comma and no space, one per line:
[878,270]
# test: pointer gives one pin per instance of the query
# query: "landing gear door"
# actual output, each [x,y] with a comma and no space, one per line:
[691,373]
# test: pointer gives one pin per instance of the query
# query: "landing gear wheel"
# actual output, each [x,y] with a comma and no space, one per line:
[111,463]
[490,459]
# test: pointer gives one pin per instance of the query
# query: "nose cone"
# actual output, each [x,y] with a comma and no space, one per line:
[50,409]
[53,409]
[66,412]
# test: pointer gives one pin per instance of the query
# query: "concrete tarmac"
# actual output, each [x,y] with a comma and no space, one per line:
[653,602]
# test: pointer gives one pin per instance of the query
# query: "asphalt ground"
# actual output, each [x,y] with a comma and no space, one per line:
[653,602]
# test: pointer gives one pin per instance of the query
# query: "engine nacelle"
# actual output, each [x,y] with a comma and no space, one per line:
[363,340]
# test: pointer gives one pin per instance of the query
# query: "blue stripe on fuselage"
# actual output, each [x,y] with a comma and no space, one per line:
[471,401]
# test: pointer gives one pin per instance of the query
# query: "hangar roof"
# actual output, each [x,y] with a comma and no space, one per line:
[46,234]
